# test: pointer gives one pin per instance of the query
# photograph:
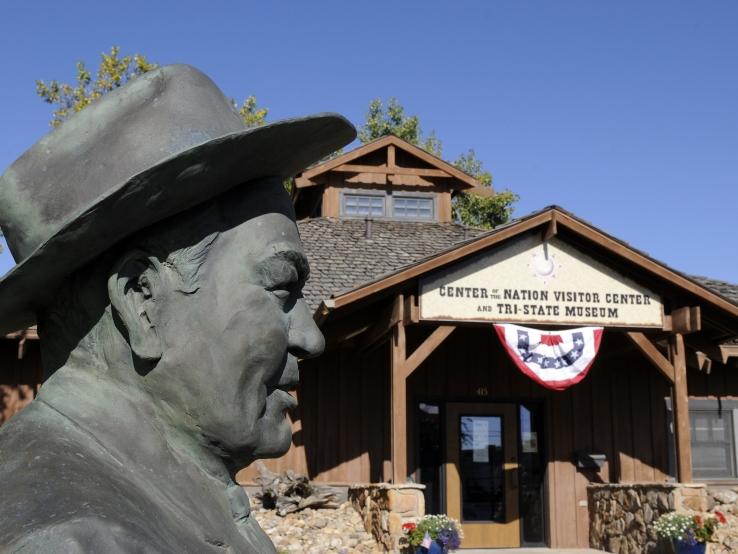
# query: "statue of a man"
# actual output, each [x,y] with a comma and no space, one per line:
[159,254]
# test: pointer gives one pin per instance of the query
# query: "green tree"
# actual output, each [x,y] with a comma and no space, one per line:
[391,120]
[113,72]
[479,208]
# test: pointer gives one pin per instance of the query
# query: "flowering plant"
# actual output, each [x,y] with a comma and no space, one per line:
[691,529]
[440,528]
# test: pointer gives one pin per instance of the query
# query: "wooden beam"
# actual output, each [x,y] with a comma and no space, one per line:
[412,311]
[677,355]
[684,320]
[399,401]
[653,354]
[426,349]
[728,351]
[699,361]
[410,180]
[707,347]
[391,156]
[396,170]
[21,348]
[385,320]
[367,179]
[302,182]
[550,231]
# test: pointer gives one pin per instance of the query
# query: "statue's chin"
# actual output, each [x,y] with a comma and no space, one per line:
[274,437]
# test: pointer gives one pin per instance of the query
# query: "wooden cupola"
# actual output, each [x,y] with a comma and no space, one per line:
[386,178]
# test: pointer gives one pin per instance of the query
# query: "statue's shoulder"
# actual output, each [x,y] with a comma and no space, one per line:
[77,535]
[61,492]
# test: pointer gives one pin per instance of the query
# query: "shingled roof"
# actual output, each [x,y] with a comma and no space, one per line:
[723,288]
[342,256]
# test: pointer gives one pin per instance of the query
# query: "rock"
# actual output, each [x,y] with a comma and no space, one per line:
[317,531]
[725,497]
[647,513]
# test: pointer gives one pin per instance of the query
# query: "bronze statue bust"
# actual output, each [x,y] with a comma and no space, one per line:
[158,252]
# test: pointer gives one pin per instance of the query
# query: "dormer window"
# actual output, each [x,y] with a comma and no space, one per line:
[412,207]
[363,205]
[383,204]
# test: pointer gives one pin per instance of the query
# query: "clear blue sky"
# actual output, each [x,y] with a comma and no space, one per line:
[625,113]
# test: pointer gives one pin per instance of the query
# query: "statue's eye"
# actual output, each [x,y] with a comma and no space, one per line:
[284,282]
[283,293]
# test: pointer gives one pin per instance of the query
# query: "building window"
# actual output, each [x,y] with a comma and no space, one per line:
[363,205]
[713,429]
[713,443]
[412,207]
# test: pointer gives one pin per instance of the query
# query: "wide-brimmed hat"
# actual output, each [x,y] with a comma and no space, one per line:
[166,141]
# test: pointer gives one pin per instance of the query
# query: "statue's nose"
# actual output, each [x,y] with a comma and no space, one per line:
[305,339]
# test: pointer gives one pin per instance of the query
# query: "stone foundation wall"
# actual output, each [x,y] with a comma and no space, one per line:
[384,508]
[621,515]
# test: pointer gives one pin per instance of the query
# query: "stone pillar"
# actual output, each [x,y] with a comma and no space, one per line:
[385,508]
[621,515]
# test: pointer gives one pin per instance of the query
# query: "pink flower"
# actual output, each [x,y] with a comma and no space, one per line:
[721,517]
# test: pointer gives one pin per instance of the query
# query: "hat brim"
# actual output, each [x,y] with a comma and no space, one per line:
[171,186]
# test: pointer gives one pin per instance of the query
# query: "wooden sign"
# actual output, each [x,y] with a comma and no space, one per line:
[530,281]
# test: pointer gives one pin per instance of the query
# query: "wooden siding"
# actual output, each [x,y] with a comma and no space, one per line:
[618,410]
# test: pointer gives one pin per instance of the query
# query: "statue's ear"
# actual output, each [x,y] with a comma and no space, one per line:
[133,288]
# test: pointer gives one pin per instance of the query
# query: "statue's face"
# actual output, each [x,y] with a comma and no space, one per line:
[230,349]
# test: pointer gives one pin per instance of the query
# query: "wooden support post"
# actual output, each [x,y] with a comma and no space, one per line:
[677,354]
[399,401]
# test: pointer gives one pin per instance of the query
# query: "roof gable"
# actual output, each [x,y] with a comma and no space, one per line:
[390,156]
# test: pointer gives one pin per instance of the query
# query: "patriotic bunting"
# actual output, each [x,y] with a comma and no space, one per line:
[555,360]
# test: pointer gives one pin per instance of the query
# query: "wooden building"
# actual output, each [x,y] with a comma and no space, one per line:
[416,386]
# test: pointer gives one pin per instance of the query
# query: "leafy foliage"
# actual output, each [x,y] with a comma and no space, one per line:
[252,115]
[113,72]
[469,163]
[481,211]
[391,120]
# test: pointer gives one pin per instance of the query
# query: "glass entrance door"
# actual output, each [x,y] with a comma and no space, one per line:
[482,473]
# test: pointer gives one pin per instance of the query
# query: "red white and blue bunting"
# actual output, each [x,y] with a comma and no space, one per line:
[555,360]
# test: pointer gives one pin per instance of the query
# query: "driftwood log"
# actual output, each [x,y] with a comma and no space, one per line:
[291,492]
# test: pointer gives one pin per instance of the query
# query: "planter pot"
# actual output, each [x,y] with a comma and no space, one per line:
[435,548]
[684,547]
